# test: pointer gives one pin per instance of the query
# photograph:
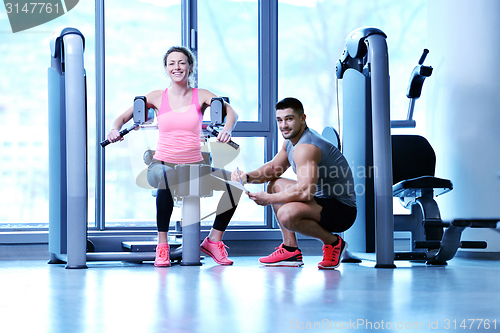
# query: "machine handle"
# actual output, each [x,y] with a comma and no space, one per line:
[233,144]
[214,132]
[422,58]
[473,245]
[123,132]
[417,78]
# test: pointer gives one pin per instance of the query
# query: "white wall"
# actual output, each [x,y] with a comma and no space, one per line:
[463,108]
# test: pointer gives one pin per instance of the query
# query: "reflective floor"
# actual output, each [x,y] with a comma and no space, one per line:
[245,297]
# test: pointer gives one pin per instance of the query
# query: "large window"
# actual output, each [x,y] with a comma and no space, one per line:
[311,37]
[24,183]
[228,52]
[138,33]
[228,66]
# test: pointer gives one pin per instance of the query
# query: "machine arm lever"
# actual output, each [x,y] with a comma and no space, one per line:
[123,132]
[214,132]
[424,55]
[420,72]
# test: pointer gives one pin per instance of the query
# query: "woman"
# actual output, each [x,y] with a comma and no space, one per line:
[180,110]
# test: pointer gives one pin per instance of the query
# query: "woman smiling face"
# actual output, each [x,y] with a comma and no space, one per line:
[177,67]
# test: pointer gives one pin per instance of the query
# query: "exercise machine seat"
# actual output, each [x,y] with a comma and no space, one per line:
[413,168]
[417,186]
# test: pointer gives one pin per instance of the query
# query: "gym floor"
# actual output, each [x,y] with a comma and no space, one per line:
[247,297]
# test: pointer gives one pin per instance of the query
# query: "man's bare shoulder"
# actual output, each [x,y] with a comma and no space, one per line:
[306,152]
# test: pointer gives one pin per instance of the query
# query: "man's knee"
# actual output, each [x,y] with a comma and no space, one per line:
[270,186]
[275,186]
[286,218]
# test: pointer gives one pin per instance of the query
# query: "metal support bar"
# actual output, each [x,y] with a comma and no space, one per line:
[268,83]
[121,256]
[189,27]
[100,114]
[382,150]
[76,151]
[191,220]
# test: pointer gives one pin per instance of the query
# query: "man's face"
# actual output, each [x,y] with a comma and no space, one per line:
[289,123]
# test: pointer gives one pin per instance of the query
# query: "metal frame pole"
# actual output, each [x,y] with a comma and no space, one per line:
[76,151]
[382,150]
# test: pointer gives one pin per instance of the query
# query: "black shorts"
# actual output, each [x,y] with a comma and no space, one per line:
[336,216]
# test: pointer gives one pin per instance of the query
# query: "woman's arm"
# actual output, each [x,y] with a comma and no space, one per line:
[153,100]
[205,98]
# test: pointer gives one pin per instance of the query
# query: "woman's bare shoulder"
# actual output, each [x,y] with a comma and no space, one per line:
[155,97]
[206,93]
[155,93]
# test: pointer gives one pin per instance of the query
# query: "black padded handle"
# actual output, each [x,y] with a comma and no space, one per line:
[123,132]
[233,144]
[214,132]
[473,245]
[427,244]
[422,58]
[417,77]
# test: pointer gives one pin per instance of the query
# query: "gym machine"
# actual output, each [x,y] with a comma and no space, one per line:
[67,149]
[413,163]
[68,163]
[385,166]
[68,155]
[366,140]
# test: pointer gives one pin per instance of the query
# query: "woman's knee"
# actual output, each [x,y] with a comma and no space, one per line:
[160,176]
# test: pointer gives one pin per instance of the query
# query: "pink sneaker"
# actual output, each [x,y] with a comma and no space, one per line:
[332,255]
[217,250]
[162,255]
[282,257]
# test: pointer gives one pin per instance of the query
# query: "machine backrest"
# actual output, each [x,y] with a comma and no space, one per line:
[412,157]
[331,135]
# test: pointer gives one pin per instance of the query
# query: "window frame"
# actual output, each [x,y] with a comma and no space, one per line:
[264,127]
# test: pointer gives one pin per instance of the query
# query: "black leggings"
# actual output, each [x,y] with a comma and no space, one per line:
[161,174]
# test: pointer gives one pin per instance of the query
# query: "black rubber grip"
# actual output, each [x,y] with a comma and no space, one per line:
[427,244]
[105,143]
[422,58]
[215,133]
[122,134]
[473,245]
[233,144]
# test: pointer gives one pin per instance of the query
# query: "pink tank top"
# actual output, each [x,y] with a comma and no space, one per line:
[179,140]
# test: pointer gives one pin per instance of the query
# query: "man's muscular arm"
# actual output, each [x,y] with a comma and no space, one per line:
[306,158]
[271,170]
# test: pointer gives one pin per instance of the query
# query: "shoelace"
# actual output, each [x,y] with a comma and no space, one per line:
[329,254]
[279,250]
[163,252]
[222,249]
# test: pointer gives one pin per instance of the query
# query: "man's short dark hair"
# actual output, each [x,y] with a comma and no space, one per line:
[292,103]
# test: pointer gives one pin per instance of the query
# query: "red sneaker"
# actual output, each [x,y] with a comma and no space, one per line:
[282,257]
[332,255]
[162,255]
[217,250]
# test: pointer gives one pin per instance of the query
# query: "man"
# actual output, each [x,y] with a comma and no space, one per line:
[322,199]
